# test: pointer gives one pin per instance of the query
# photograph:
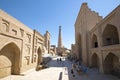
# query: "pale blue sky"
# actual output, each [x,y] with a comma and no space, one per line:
[45,15]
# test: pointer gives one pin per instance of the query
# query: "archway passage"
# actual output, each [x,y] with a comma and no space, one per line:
[112,65]
[39,56]
[95,61]
[9,60]
[110,35]
[94,41]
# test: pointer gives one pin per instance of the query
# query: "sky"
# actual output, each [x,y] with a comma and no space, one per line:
[44,15]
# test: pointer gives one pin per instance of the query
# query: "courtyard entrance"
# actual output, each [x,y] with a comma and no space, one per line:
[110,35]
[9,60]
[39,56]
[95,61]
[112,65]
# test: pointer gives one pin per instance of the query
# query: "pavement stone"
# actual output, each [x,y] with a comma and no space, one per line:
[60,71]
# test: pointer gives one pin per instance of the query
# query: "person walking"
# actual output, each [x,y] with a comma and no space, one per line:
[57,60]
[72,71]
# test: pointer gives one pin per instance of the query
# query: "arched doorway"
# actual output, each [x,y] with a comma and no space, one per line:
[39,52]
[111,64]
[9,60]
[110,35]
[95,61]
[94,41]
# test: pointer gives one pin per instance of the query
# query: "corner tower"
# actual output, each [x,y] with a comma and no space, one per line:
[86,20]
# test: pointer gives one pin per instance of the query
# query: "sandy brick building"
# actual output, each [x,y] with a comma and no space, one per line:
[73,50]
[97,39]
[21,48]
[47,41]
[53,49]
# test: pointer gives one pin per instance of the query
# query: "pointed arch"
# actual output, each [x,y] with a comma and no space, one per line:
[110,35]
[95,61]
[111,64]
[39,52]
[9,59]
[94,41]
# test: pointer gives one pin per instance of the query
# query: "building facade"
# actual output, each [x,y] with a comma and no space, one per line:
[73,50]
[21,48]
[53,49]
[47,41]
[98,40]
[85,21]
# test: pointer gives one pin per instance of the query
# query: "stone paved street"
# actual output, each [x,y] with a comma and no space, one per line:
[60,71]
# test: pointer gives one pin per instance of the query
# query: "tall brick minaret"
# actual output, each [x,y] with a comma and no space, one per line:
[60,46]
[59,38]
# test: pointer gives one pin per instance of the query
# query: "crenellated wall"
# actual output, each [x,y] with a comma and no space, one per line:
[98,40]
[85,21]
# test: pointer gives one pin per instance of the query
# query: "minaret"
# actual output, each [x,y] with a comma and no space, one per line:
[60,38]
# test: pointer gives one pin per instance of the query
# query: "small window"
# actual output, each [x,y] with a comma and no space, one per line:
[27,59]
[29,38]
[109,41]
[6,25]
[22,32]
[14,31]
[96,44]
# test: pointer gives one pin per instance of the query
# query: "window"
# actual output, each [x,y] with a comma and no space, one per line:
[6,25]
[14,31]
[29,38]
[22,32]
[27,59]
[109,41]
[96,44]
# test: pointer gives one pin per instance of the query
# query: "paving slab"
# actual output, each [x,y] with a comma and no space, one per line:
[60,70]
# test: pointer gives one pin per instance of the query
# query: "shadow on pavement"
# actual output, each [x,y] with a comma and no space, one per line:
[90,74]
[60,76]
[55,63]
[63,63]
